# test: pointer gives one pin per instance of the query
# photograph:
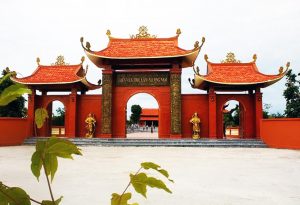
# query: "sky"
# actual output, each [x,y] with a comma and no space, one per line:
[46,29]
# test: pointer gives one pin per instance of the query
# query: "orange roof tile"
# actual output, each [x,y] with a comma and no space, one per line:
[234,74]
[54,74]
[142,48]
[57,75]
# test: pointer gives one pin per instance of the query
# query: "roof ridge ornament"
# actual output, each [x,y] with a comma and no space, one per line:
[38,60]
[230,58]
[60,60]
[108,33]
[178,32]
[143,33]
[196,44]
[254,58]
[281,68]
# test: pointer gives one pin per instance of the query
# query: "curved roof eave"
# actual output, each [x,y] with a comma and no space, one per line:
[199,80]
[189,57]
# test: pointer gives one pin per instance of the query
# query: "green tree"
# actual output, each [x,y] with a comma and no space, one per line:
[59,119]
[292,95]
[266,111]
[15,108]
[136,111]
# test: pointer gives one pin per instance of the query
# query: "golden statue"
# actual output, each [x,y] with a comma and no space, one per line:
[90,125]
[196,126]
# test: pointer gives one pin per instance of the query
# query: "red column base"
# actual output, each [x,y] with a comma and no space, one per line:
[175,136]
[105,135]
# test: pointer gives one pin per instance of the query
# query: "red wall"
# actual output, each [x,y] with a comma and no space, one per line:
[13,131]
[88,104]
[281,133]
[190,105]
[120,97]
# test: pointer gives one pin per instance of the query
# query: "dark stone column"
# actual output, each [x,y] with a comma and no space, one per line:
[258,111]
[175,90]
[106,121]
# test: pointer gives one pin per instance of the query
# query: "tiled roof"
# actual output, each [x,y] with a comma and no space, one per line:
[54,74]
[143,48]
[236,73]
[233,76]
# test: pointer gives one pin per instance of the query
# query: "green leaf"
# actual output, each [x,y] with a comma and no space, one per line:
[13,196]
[40,117]
[36,164]
[151,165]
[51,165]
[117,199]
[48,202]
[139,183]
[156,183]
[12,92]
[64,150]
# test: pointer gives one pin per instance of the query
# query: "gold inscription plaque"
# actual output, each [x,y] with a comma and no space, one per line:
[142,79]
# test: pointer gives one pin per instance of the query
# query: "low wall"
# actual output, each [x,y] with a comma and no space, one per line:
[281,132]
[13,131]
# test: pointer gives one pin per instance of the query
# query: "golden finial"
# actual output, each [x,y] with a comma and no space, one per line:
[178,31]
[108,33]
[82,59]
[143,33]
[203,40]
[81,39]
[280,70]
[88,45]
[60,60]
[230,58]
[254,58]
[196,45]
[38,60]
[206,57]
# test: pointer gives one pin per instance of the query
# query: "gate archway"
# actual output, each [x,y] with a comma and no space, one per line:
[233,119]
[148,125]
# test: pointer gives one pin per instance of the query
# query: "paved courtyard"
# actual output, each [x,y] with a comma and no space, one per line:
[205,176]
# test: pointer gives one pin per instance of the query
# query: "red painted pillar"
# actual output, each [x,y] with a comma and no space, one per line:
[258,111]
[30,113]
[72,115]
[212,113]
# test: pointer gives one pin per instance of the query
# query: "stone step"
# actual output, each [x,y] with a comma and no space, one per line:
[160,142]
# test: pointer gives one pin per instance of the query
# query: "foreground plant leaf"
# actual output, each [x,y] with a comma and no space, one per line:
[12,92]
[47,152]
[139,183]
[151,165]
[13,196]
[117,199]
[48,202]
[40,117]
[156,183]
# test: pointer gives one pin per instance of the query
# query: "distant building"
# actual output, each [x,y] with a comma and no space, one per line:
[149,117]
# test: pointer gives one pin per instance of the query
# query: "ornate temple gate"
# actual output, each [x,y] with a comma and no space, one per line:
[120,84]
[142,63]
